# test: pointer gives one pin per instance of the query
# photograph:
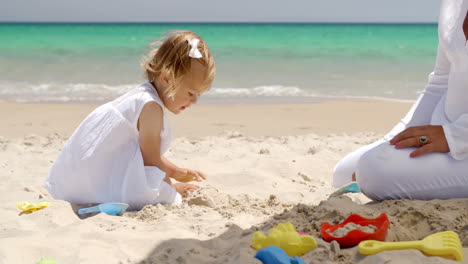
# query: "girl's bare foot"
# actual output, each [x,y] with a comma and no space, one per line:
[185,188]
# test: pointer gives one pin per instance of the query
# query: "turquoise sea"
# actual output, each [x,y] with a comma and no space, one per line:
[97,62]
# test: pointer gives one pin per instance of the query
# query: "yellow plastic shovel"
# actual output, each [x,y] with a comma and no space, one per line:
[28,208]
[443,244]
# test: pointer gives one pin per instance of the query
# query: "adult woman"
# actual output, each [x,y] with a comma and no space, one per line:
[426,155]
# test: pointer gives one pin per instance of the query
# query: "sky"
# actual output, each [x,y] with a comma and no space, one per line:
[326,11]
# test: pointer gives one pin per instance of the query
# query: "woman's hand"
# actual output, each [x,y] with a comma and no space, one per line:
[410,137]
[186,175]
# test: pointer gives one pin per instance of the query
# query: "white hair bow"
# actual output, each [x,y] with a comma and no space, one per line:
[194,52]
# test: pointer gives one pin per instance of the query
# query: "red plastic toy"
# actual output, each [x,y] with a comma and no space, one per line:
[355,236]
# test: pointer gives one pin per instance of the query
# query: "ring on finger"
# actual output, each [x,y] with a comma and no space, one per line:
[423,140]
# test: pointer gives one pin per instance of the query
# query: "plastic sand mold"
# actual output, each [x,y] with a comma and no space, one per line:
[355,236]
[284,236]
[275,255]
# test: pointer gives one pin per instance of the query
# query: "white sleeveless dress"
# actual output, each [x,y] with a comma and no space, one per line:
[102,160]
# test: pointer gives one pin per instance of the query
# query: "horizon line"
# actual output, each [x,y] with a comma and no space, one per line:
[220,23]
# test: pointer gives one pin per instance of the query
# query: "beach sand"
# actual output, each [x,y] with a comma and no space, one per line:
[266,164]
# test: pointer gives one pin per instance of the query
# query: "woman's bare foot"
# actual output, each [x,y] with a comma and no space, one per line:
[185,188]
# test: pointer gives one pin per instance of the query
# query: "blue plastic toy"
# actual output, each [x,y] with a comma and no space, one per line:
[351,187]
[108,208]
[275,255]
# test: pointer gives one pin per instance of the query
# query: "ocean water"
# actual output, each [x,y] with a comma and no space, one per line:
[98,62]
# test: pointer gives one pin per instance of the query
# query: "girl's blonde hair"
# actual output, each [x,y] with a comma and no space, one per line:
[170,57]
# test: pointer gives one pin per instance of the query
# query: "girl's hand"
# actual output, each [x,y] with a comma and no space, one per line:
[186,175]
[185,188]
[410,137]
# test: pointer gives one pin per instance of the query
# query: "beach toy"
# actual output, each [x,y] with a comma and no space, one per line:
[443,244]
[284,236]
[351,187]
[28,208]
[355,236]
[46,261]
[108,208]
[275,255]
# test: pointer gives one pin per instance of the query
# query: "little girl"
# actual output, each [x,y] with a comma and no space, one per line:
[116,154]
